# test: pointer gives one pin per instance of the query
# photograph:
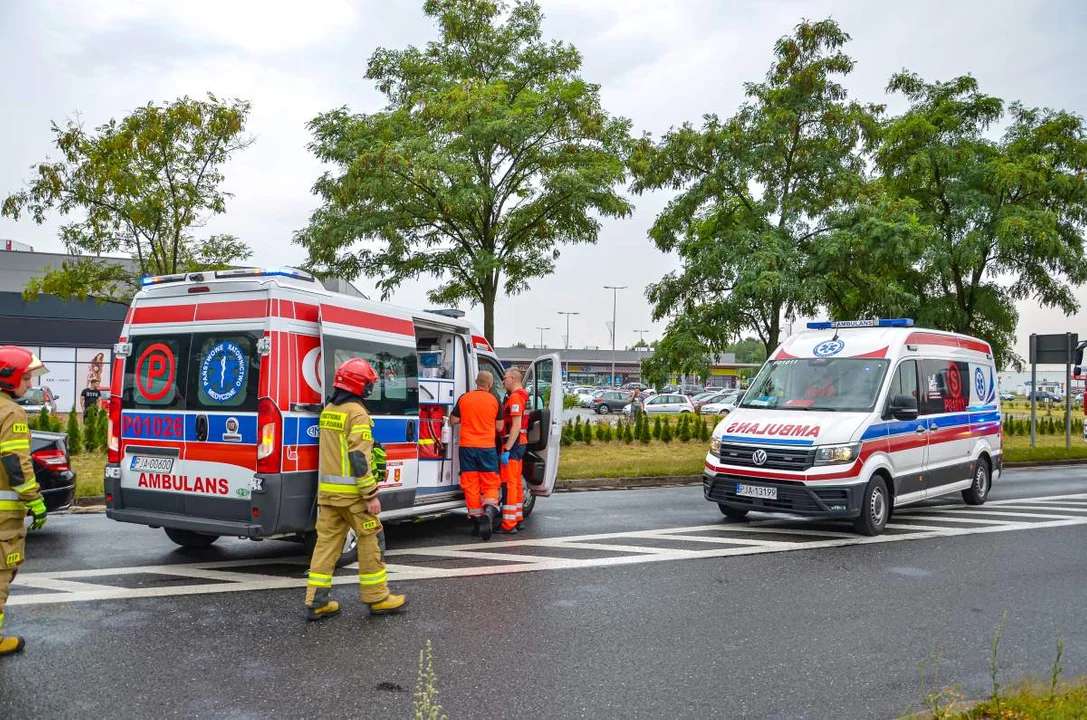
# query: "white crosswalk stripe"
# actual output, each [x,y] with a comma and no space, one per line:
[631,547]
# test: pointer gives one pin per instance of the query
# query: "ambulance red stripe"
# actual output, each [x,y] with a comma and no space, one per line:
[360,318]
[927,338]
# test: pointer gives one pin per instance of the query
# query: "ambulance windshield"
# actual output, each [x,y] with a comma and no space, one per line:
[818,384]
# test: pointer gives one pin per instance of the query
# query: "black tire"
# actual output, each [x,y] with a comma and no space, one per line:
[978,492]
[191,540]
[733,513]
[350,551]
[529,503]
[875,508]
[603,409]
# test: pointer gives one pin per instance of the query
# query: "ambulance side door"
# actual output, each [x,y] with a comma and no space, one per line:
[394,403]
[543,382]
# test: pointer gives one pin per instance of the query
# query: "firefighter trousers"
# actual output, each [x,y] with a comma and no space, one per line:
[12,547]
[332,525]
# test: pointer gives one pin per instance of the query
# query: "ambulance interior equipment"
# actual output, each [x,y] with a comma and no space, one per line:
[851,420]
[221,381]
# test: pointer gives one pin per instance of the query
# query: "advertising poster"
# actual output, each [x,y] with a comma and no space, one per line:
[92,375]
[61,382]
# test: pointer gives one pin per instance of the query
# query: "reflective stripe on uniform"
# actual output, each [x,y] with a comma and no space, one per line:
[15,505]
[331,420]
[345,468]
[338,488]
[368,481]
[9,495]
[426,441]
[367,433]
[372,578]
[319,580]
[26,487]
[13,445]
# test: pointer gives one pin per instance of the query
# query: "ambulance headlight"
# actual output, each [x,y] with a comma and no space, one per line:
[715,443]
[837,454]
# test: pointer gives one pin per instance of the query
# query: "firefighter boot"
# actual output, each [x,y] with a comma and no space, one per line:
[391,604]
[11,644]
[322,607]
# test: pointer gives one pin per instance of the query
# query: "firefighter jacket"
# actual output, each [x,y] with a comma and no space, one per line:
[18,484]
[347,439]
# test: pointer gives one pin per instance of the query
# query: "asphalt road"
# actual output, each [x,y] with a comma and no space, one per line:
[614,604]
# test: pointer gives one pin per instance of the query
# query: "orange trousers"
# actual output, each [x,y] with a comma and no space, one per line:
[480,489]
[513,509]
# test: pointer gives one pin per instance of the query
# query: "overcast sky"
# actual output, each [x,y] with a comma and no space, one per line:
[658,64]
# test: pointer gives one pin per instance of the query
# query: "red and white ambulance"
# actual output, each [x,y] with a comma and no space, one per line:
[854,419]
[218,383]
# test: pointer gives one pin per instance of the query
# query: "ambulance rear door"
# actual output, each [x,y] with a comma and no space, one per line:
[543,382]
[380,335]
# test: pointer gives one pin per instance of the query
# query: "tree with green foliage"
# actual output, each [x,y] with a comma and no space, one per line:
[657,428]
[75,433]
[142,187]
[577,429]
[102,435]
[628,434]
[685,428]
[644,435]
[490,154]
[756,191]
[587,434]
[988,221]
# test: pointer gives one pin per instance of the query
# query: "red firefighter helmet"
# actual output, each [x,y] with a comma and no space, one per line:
[15,363]
[356,376]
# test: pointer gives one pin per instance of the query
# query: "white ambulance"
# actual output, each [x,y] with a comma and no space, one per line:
[853,419]
[218,382]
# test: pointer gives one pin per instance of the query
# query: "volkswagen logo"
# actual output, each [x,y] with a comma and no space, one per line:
[759,457]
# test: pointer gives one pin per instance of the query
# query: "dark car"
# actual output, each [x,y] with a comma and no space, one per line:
[610,400]
[52,468]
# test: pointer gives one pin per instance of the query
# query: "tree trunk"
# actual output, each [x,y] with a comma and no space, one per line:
[489,295]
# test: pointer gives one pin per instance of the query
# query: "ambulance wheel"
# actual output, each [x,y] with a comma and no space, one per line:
[979,491]
[187,539]
[732,513]
[875,508]
[529,502]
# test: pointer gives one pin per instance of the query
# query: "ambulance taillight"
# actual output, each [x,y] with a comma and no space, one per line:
[269,448]
[113,430]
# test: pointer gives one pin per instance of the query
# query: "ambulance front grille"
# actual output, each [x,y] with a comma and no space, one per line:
[797,499]
[776,458]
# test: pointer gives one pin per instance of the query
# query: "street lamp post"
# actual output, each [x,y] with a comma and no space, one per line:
[567,361]
[614,299]
[541,329]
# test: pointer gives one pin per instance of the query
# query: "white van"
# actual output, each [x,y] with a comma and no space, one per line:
[854,419]
[218,382]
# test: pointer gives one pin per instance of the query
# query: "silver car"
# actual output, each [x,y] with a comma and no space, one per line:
[36,398]
[665,404]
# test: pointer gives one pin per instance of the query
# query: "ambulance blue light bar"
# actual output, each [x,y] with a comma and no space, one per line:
[219,274]
[874,322]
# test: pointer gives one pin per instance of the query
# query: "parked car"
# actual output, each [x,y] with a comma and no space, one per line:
[665,404]
[1042,396]
[635,386]
[1006,396]
[36,398]
[52,468]
[585,399]
[610,400]
[724,404]
[705,398]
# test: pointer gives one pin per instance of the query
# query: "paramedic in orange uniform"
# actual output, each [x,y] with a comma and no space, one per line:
[479,416]
[515,425]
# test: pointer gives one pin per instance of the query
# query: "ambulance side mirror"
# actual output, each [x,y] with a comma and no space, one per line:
[903,407]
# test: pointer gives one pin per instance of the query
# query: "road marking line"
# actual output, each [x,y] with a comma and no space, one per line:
[979,511]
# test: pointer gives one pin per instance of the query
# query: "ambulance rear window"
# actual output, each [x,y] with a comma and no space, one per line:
[198,371]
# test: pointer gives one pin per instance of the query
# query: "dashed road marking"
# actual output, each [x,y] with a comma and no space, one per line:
[531,554]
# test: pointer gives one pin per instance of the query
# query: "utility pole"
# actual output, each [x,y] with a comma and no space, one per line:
[541,329]
[614,300]
[641,335]
[565,360]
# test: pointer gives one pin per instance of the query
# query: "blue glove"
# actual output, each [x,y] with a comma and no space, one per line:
[37,506]
[505,460]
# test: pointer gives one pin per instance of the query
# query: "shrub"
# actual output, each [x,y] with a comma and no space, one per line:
[643,436]
[685,428]
[587,434]
[75,434]
[657,428]
[102,431]
[577,435]
[90,429]
[628,434]
[666,431]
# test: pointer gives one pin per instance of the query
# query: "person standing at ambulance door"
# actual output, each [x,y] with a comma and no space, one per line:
[347,497]
[515,425]
[18,485]
[479,416]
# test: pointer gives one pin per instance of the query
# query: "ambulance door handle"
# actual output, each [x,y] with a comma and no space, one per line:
[933,427]
[920,430]
[411,431]
[201,427]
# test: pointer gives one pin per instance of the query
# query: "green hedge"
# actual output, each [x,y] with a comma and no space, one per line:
[682,428]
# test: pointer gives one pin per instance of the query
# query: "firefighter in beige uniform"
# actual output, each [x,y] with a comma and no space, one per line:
[347,497]
[18,486]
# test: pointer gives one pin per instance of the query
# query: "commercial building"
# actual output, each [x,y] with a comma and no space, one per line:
[592,366]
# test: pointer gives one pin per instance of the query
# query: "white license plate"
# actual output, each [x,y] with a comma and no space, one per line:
[757,491]
[152,464]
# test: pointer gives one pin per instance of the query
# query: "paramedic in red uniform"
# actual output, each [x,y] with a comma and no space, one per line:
[479,416]
[515,425]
